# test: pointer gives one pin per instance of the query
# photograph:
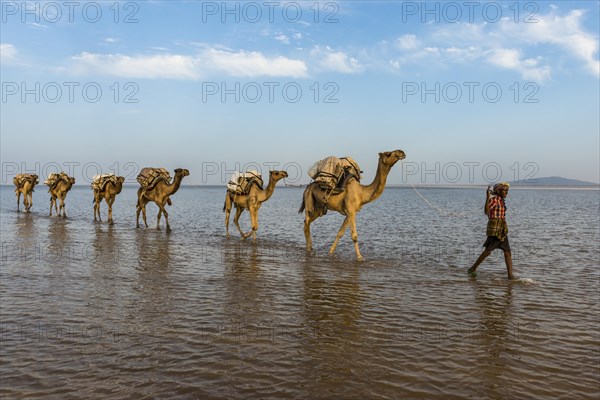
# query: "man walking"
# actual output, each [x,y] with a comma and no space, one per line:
[497,229]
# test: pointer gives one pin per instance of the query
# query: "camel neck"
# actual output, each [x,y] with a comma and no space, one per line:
[174,186]
[268,192]
[375,189]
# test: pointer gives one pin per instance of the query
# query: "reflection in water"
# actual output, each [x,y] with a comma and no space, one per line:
[25,243]
[496,332]
[332,334]
[245,306]
[59,251]
[154,272]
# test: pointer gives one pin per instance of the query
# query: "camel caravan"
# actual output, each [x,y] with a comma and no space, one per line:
[335,186]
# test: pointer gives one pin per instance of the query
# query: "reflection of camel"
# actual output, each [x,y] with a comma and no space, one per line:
[159,194]
[108,193]
[252,201]
[27,190]
[60,190]
[349,202]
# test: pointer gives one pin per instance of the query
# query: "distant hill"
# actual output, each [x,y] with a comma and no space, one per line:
[552,181]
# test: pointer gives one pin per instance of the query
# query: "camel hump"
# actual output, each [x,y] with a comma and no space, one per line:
[242,182]
[149,176]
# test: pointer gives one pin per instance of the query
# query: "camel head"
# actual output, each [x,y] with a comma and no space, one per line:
[71,180]
[277,175]
[121,179]
[389,158]
[182,172]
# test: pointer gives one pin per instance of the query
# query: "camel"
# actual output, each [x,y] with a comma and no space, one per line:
[108,193]
[159,194]
[27,190]
[349,202]
[252,201]
[60,190]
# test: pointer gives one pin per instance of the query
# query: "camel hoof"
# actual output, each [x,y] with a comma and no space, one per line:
[360,259]
[111,223]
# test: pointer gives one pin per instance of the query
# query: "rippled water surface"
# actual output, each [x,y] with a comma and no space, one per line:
[90,310]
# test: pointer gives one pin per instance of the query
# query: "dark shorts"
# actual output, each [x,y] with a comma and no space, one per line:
[492,243]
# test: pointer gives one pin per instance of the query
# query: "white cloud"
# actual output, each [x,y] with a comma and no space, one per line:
[248,64]
[407,42]
[527,48]
[154,66]
[173,66]
[283,39]
[337,61]
[563,31]
[8,53]
[512,59]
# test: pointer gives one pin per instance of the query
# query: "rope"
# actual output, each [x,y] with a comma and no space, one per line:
[439,209]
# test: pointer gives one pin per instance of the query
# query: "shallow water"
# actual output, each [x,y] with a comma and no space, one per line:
[90,310]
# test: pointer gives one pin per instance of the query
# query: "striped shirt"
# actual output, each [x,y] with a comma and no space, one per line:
[497,208]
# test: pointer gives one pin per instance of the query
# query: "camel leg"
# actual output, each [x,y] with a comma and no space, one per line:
[166,214]
[254,219]
[138,209]
[339,235]
[52,202]
[158,218]
[18,199]
[307,221]
[236,219]
[110,202]
[352,218]
[62,207]
[227,214]
[26,202]
[144,215]
[29,201]
[96,207]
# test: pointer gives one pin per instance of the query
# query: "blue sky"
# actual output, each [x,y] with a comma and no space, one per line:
[473,92]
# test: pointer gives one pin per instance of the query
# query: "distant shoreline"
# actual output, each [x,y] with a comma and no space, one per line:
[391,186]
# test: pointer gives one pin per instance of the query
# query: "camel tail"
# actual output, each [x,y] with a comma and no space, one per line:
[308,202]
[224,206]
[169,202]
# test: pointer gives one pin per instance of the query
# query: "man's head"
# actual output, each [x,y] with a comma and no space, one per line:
[501,189]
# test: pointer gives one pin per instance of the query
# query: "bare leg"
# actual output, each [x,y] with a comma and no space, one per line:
[339,235]
[485,254]
[508,261]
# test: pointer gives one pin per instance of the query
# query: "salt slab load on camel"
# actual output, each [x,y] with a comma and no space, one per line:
[241,182]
